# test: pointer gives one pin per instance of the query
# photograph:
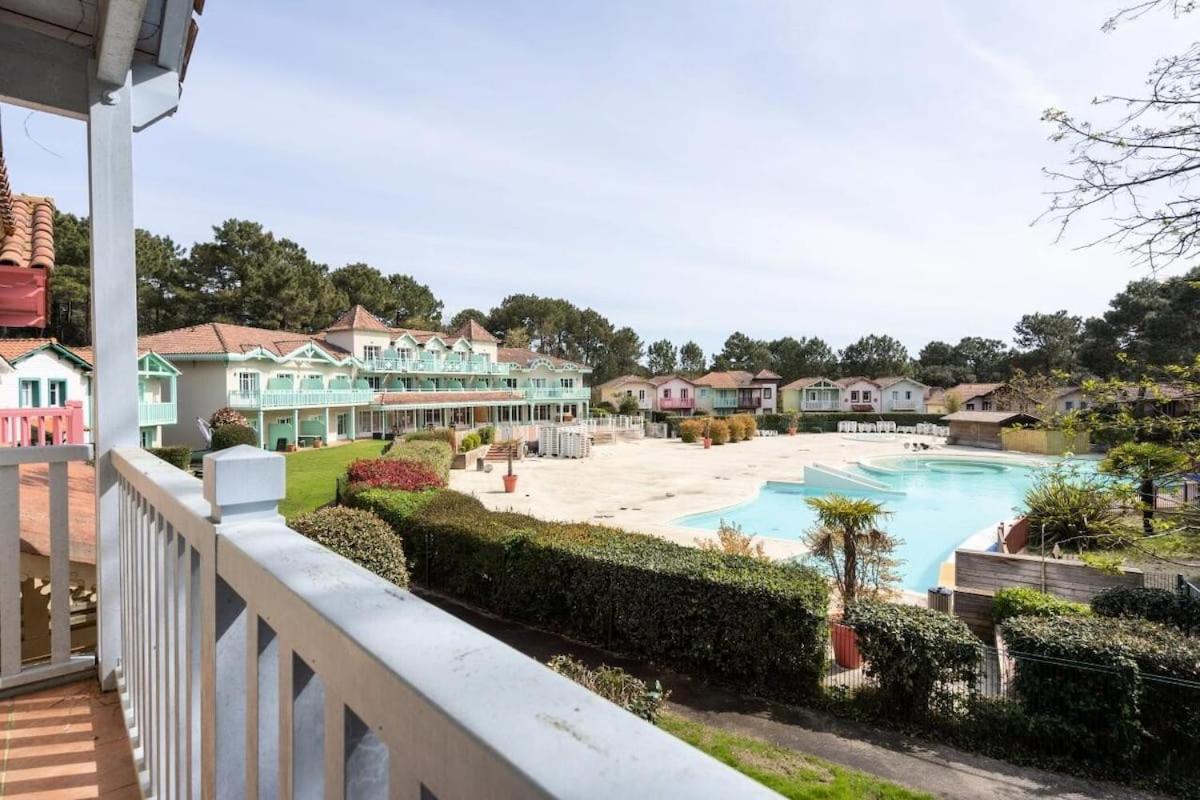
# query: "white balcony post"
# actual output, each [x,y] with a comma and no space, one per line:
[244,484]
[114,337]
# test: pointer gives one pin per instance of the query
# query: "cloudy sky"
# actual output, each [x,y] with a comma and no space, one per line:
[687,168]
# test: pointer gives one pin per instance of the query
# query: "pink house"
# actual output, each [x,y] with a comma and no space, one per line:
[26,256]
[674,395]
[860,394]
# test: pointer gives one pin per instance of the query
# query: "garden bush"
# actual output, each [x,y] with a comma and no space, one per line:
[1024,602]
[1124,703]
[737,428]
[359,536]
[433,435]
[228,436]
[1157,605]
[1076,508]
[487,434]
[176,456]
[691,431]
[915,654]
[629,406]
[470,442]
[750,426]
[718,431]
[435,454]
[391,506]
[757,624]
[391,473]
[615,685]
[226,416]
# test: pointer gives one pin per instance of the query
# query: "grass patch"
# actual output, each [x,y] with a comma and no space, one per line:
[312,474]
[791,773]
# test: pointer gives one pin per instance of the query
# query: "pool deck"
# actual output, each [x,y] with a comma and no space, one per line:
[645,485]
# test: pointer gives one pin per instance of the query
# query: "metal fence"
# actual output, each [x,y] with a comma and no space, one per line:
[1072,712]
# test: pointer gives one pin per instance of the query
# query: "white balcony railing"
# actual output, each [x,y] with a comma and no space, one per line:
[257,663]
[300,398]
[557,393]
[156,413]
[435,366]
[821,405]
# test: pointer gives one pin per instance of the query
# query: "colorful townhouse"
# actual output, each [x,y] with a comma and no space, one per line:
[674,394]
[977,396]
[361,378]
[811,395]
[616,390]
[891,395]
[738,392]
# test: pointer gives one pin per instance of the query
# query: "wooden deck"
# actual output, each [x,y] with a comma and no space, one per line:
[65,743]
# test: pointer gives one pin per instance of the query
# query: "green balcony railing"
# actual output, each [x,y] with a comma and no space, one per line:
[302,398]
[157,413]
[557,393]
[435,366]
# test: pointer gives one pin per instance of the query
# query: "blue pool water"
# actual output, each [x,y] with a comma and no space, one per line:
[943,502]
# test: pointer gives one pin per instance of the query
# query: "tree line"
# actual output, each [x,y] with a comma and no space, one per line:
[246,275]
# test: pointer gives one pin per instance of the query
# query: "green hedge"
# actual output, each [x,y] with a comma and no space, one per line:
[915,654]
[228,436]
[434,453]
[358,535]
[819,422]
[1026,602]
[1109,689]
[1157,605]
[756,624]
[470,442]
[433,435]
[176,456]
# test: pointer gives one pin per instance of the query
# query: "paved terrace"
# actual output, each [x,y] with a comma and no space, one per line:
[643,485]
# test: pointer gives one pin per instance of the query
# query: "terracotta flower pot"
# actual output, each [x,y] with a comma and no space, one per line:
[845,646]
[510,483]
[707,442]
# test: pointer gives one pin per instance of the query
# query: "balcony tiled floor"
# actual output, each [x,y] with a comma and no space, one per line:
[65,743]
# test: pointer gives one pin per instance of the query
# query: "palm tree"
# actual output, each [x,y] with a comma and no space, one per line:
[848,544]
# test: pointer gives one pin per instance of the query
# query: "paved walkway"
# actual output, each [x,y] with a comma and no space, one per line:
[938,769]
[65,743]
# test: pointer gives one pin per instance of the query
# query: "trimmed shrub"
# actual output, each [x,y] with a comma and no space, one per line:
[470,442]
[177,456]
[359,536]
[737,428]
[434,435]
[1025,602]
[228,436]
[759,625]
[598,412]
[1157,605]
[1121,704]
[391,473]
[391,506]
[606,406]
[435,454]
[615,685]
[226,416]
[629,406]
[750,426]
[915,654]
[487,434]
[718,431]
[691,431]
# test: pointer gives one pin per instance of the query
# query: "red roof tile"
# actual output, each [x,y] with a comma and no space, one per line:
[524,357]
[359,319]
[213,338]
[474,332]
[28,240]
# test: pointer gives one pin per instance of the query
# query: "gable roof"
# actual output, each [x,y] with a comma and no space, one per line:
[892,380]
[844,382]
[969,391]
[16,350]
[804,383]
[222,338]
[990,416]
[621,380]
[472,331]
[767,375]
[659,380]
[26,228]
[524,357]
[359,319]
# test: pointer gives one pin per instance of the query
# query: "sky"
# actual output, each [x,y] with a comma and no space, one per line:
[685,167]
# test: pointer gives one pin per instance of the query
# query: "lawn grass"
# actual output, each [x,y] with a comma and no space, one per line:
[312,474]
[791,773]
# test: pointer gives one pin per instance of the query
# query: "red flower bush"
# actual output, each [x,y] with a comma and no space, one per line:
[392,473]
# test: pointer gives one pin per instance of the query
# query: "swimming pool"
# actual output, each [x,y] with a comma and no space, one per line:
[944,501]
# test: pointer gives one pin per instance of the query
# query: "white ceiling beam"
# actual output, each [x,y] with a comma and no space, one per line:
[177,16]
[42,72]
[120,24]
[155,94]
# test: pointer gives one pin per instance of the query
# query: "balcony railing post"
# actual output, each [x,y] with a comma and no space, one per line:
[244,483]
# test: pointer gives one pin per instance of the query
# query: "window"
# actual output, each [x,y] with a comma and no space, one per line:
[56,392]
[666,394]
[31,394]
[908,395]
[812,395]
[510,383]
[895,395]
[343,424]
[406,353]
[566,383]
[866,395]
[1083,404]
[247,382]
[371,352]
[766,393]
[375,382]
[987,405]
[641,394]
[1068,405]
[703,392]
[147,437]
[854,396]
[970,406]
[683,393]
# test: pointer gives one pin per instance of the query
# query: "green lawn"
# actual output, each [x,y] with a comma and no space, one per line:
[312,474]
[791,773]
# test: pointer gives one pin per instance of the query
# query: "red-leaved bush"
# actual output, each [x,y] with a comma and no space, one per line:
[392,473]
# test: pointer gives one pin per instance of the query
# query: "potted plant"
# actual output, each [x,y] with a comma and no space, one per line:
[707,437]
[848,546]
[510,480]
[791,423]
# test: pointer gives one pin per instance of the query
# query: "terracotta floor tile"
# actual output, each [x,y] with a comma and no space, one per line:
[65,743]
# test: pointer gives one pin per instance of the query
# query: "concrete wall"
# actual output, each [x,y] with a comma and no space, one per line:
[203,388]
